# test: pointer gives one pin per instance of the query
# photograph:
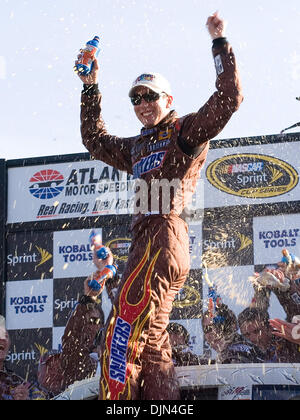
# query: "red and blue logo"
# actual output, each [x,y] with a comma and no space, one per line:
[46,184]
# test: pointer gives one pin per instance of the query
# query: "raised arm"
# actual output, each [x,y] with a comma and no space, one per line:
[214,115]
[113,150]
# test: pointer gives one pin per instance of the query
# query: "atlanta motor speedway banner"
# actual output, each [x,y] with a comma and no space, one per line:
[231,177]
[62,191]
[46,266]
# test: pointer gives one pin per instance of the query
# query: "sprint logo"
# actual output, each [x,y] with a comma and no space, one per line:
[244,242]
[45,256]
[238,243]
[38,258]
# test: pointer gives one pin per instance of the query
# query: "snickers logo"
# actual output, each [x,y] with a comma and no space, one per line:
[118,359]
[148,163]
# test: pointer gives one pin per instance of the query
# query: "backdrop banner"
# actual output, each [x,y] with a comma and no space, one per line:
[248,214]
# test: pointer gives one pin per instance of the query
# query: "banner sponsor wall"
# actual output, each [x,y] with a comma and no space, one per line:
[247,214]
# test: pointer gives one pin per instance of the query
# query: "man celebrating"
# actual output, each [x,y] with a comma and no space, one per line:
[136,353]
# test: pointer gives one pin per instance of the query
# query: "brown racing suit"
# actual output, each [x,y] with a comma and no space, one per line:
[137,356]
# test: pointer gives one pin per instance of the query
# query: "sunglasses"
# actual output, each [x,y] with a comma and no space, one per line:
[148,97]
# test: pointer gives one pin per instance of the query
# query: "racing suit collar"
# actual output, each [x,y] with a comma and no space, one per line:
[169,119]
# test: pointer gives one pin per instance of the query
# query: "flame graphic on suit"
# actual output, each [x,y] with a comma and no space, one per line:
[135,315]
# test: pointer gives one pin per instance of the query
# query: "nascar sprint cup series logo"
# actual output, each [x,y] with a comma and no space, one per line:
[252,175]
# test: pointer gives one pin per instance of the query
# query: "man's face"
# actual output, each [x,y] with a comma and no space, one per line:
[4,344]
[50,374]
[214,336]
[151,113]
[256,332]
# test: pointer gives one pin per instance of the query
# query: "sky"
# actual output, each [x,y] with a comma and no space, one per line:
[40,93]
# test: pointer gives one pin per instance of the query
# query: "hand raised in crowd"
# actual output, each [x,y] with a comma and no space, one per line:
[21,392]
[292,272]
[290,265]
[100,264]
[216,26]
[92,77]
[288,331]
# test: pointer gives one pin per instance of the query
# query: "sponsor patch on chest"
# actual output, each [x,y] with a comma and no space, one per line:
[148,163]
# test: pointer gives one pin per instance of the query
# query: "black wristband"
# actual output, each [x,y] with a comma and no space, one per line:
[219,42]
[90,90]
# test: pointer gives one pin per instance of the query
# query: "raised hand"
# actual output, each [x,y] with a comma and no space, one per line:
[92,77]
[216,26]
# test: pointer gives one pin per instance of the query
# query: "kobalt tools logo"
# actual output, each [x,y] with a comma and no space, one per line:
[284,238]
[28,304]
[46,184]
[252,175]
[75,253]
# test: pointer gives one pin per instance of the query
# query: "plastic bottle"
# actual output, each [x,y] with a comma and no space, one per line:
[99,278]
[95,241]
[87,56]
[214,301]
[290,259]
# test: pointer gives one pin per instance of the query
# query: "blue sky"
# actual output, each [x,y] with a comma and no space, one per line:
[40,94]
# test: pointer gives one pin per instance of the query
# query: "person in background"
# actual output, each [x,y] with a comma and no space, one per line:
[79,357]
[136,349]
[254,325]
[179,340]
[282,279]
[12,386]
[221,333]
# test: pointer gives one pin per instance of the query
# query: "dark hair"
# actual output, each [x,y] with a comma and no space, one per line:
[179,329]
[253,314]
